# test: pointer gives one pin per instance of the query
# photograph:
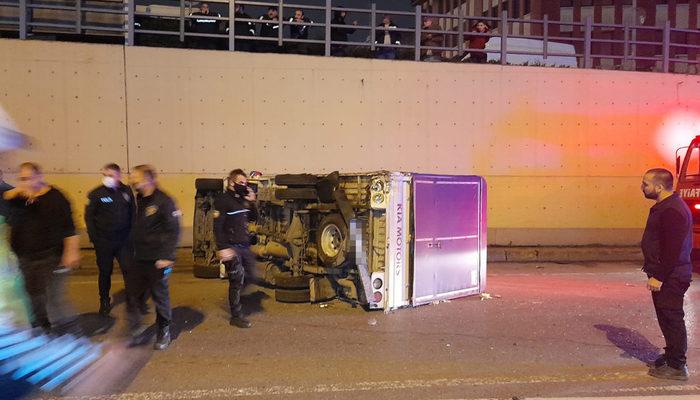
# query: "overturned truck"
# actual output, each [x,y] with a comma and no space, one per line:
[383,240]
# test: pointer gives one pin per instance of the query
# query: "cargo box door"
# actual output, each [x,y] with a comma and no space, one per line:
[448,227]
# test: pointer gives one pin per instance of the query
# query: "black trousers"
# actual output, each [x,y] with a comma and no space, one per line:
[237,269]
[668,304]
[46,288]
[106,251]
[143,278]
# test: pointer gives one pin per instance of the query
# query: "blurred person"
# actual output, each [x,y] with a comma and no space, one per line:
[4,187]
[109,217]
[156,233]
[205,22]
[666,244]
[429,39]
[233,210]
[386,34]
[242,28]
[340,34]
[269,30]
[299,32]
[44,239]
[477,40]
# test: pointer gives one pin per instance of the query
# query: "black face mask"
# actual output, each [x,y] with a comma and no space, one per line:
[241,190]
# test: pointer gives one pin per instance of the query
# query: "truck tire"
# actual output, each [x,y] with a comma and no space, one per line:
[331,238]
[296,180]
[292,296]
[296,194]
[287,281]
[207,184]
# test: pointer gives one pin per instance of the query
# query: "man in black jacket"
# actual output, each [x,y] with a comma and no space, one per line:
[666,245]
[109,216]
[386,34]
[340,34]
[233,209]
[299,32]
[242,28]
[269,30]
[156,232]
[204,21]
[44,239]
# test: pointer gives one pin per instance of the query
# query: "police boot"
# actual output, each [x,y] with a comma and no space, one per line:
[163,338]
[105,307]
[240,322]
[667,372]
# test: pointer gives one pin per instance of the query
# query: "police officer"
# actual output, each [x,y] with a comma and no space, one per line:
[109,216]
[204,21]
[666,245]
[233,209]
[156,232]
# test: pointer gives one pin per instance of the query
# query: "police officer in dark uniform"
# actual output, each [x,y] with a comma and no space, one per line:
[109,215]
[233,209]
[269,29]
[666,245]
[156,232]
[205,21]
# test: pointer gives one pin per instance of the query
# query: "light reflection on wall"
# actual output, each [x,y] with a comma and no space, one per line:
[677,130]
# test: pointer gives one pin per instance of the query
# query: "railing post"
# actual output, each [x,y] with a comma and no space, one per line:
[280,26]
[130,21]
[460,32]
[587,62]
[327,40]
[625,44]
[78,16]
[22,19]
[667,46]
[419,28]
[545,36]
[231,25]
[182,21]
[373,26]
[504,38]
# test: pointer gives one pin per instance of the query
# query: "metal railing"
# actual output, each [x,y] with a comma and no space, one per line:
[660,47]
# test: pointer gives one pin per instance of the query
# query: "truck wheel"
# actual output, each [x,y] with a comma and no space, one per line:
[292,296]
[296,194]
[207,184]
[296,180]
[287,281]
[331,236]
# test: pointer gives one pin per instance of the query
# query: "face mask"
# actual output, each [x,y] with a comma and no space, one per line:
[241,190]
[110,182]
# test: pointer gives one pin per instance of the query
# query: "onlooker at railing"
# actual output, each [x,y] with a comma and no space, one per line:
[428,39]
[340,34]
[269,30]
[387,35]
[242,28]
[478,42]
[299,32]
[203,23]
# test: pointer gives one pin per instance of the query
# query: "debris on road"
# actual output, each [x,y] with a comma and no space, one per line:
[372,322]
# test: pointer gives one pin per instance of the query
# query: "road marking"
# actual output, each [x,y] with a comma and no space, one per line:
[374,386]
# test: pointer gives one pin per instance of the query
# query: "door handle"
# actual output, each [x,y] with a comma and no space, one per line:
[438,245]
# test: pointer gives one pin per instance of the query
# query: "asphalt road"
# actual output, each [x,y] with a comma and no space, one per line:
[548,331]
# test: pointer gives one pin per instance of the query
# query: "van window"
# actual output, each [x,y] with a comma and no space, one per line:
[692,169]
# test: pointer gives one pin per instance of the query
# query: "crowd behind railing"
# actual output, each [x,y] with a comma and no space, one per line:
[388,34]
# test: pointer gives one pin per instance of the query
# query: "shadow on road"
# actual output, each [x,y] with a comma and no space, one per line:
[93,324]
[633,343]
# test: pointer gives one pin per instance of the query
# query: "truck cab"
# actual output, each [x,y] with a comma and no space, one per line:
[688,188]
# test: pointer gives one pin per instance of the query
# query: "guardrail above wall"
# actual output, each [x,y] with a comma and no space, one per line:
[655,48]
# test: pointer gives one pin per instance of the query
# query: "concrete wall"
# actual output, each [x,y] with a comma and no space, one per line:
[562,149]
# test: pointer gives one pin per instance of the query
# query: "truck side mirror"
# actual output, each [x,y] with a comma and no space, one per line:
[678,165]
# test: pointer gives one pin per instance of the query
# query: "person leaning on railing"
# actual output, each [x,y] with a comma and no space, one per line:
[428,39]
[299,32]
[242,28]
[386,34]
[475,41]
[203,23]
[340,34]
[269,30]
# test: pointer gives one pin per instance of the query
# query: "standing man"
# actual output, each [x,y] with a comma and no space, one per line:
[109,215]
[299,31]
[233,210]
[44,239]
[155,234]
[340,34]
[204,21]
[666,245]
[269,29]
[386,34]
[242,28]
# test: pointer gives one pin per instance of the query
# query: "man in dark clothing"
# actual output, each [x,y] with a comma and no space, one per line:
[340,34]
[155,234]
[242,28]
[43,238]
[299,32]
[204,21]
[269,30]
[666,245]
[233,209]
[4,207]
[109,216]
[386,34]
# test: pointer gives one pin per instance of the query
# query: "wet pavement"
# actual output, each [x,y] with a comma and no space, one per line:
[549,330]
